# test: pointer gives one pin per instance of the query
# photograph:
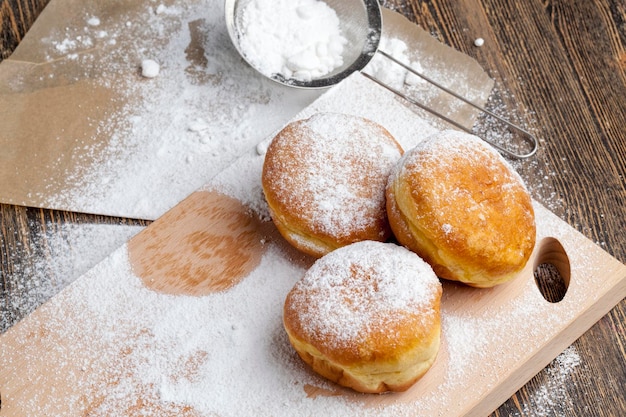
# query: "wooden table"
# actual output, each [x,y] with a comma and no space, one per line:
[560,69]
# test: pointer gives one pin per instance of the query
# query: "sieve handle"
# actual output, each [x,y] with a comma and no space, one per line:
[528,137]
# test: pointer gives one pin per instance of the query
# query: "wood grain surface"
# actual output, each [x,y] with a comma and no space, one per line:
[560,69]
[16,17]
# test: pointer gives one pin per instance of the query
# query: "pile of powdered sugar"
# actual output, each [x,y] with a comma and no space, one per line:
[297,39]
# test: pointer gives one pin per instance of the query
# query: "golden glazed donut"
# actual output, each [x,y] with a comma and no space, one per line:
[367,316]
[324,180]
[459,205]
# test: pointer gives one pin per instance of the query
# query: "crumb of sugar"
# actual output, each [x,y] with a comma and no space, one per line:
[93,21]
[261,148]
[150,68]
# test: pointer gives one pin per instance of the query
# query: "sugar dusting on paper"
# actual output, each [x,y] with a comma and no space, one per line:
[172,133]
[197,106]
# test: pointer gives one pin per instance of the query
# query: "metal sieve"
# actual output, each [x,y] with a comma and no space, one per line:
[360,22]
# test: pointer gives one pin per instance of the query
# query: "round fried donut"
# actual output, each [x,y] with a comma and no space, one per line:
[458,204]
[367,316]
[324,180]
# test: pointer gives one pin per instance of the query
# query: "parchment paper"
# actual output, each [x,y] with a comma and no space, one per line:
[83,131]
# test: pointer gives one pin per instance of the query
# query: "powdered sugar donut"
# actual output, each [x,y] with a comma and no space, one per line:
[324,180]
[458,204]
[367,317]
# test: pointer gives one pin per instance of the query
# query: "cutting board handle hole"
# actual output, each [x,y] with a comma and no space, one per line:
[551,270]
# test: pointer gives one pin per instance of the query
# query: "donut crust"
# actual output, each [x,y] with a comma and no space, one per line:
[307,167]
[394,351]
[459,205]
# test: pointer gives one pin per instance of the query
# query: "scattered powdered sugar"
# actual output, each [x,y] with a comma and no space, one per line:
[66,45]
[245,185]
[173,132]
[223,354]
[464,338]
[548,399]
[391,73]
[297,39]
[565,363]
[56,257]
[476,342]
[363,288]
[165,133]
[227,354]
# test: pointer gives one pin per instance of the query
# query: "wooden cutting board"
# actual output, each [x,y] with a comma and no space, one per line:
[186,318]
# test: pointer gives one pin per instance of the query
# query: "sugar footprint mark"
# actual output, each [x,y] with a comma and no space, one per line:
[208,243]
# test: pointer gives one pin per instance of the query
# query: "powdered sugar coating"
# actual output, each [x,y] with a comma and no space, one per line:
[448,151]
[459,205]
[363,288]
[449,146]
[330,172]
